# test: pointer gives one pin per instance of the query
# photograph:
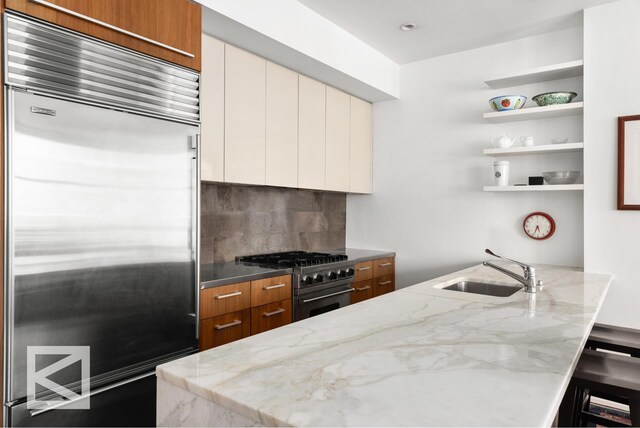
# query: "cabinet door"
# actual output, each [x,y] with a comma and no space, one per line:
[363,290]
[361,158]
[382,267]
[270,290]
[268,317]
[244,117]
[311,134]
[212,110]
[175,23]
[337,140]
[224,299]
[282,127]
[224,329]
[383,285]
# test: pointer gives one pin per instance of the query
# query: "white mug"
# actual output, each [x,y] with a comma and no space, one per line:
[526,141]
[501,173]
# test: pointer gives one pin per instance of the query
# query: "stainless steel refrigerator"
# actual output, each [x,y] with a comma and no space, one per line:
[101,230]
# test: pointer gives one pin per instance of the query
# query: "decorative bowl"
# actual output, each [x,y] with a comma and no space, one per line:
[559,140]
[561,177]
[507,102]
[550,98]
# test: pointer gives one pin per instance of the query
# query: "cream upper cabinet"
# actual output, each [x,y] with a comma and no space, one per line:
[245,88]
[281,126]
[361,158]
[337,140]
[311,134]
[212,110]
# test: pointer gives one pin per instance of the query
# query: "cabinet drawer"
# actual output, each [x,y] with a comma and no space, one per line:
[363,291]
[382,267]
[364,271]
[224,299]
[384,284]
[267,317]
[224,329]
[270,290]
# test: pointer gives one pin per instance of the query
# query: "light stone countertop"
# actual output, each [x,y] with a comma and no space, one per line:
[418,356]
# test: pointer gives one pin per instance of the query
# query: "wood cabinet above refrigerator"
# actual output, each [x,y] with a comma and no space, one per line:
[166,29]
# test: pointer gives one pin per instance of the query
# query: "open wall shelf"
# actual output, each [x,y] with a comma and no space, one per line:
[543,188]
[535,150]
[534,113]
[539,74]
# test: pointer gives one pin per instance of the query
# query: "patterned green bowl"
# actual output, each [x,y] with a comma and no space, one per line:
[551,98]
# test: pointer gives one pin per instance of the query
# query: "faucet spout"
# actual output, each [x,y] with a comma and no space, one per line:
[528,279]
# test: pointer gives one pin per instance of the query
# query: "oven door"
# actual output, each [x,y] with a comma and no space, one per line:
[318,300]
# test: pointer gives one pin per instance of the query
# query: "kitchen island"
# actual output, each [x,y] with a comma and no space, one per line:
[418,356]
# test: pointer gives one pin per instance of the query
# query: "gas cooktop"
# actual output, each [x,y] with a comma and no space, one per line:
[292,259]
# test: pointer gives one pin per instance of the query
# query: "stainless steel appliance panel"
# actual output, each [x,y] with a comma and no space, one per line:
[100,235]
[319,300]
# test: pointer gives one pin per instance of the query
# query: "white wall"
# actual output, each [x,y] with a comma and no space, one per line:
[428,203]
[289,33]
[612,238]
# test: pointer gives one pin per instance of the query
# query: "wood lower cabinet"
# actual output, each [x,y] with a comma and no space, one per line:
[364,271]
[225,328]
[177,24]
[235,311]
[383,285]
[268,317]
[227,298]
[373,278]
[363,290]
[382,267]
[270,290]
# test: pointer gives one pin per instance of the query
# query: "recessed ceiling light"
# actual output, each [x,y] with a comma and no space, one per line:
[408,26]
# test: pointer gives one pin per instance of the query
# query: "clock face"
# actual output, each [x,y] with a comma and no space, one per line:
[539,226]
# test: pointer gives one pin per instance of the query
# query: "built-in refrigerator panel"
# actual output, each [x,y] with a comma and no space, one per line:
[100,236]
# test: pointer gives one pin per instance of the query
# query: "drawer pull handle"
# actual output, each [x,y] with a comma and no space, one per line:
[271,287]
[385,264]
[231,324]
[363,288]
[276,312]
[111,27]
[384,283]
[364,268]
[224,296]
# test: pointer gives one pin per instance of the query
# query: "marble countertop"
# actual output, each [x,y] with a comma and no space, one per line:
[217,274]
[418,356]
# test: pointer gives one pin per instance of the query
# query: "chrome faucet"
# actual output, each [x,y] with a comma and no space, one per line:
[528,279]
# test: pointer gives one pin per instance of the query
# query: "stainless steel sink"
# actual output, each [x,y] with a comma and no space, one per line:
[487,289]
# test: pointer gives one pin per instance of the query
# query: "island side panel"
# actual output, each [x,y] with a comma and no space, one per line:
[178,407]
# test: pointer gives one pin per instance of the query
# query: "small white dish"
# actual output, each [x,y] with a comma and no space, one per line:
[559,140]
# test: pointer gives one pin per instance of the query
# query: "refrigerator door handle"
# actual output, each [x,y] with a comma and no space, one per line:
[197,231]
[37,412]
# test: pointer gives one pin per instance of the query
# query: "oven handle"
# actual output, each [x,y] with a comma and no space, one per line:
[350,290]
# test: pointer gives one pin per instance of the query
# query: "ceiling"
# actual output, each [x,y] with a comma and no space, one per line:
[446,26]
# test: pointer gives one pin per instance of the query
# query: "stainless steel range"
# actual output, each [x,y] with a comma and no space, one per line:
[321,281]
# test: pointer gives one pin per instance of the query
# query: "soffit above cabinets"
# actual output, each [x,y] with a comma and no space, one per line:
[447,26]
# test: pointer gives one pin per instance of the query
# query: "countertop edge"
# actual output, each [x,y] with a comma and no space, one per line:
[244,278]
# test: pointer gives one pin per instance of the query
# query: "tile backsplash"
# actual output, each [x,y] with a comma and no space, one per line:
[241,220]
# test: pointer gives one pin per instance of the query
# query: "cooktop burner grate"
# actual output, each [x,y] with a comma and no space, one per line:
[293,259]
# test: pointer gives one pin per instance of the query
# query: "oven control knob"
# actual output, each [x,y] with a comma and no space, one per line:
[342,273]
[318,278]
[332,275]
[350,272]
[307,280]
